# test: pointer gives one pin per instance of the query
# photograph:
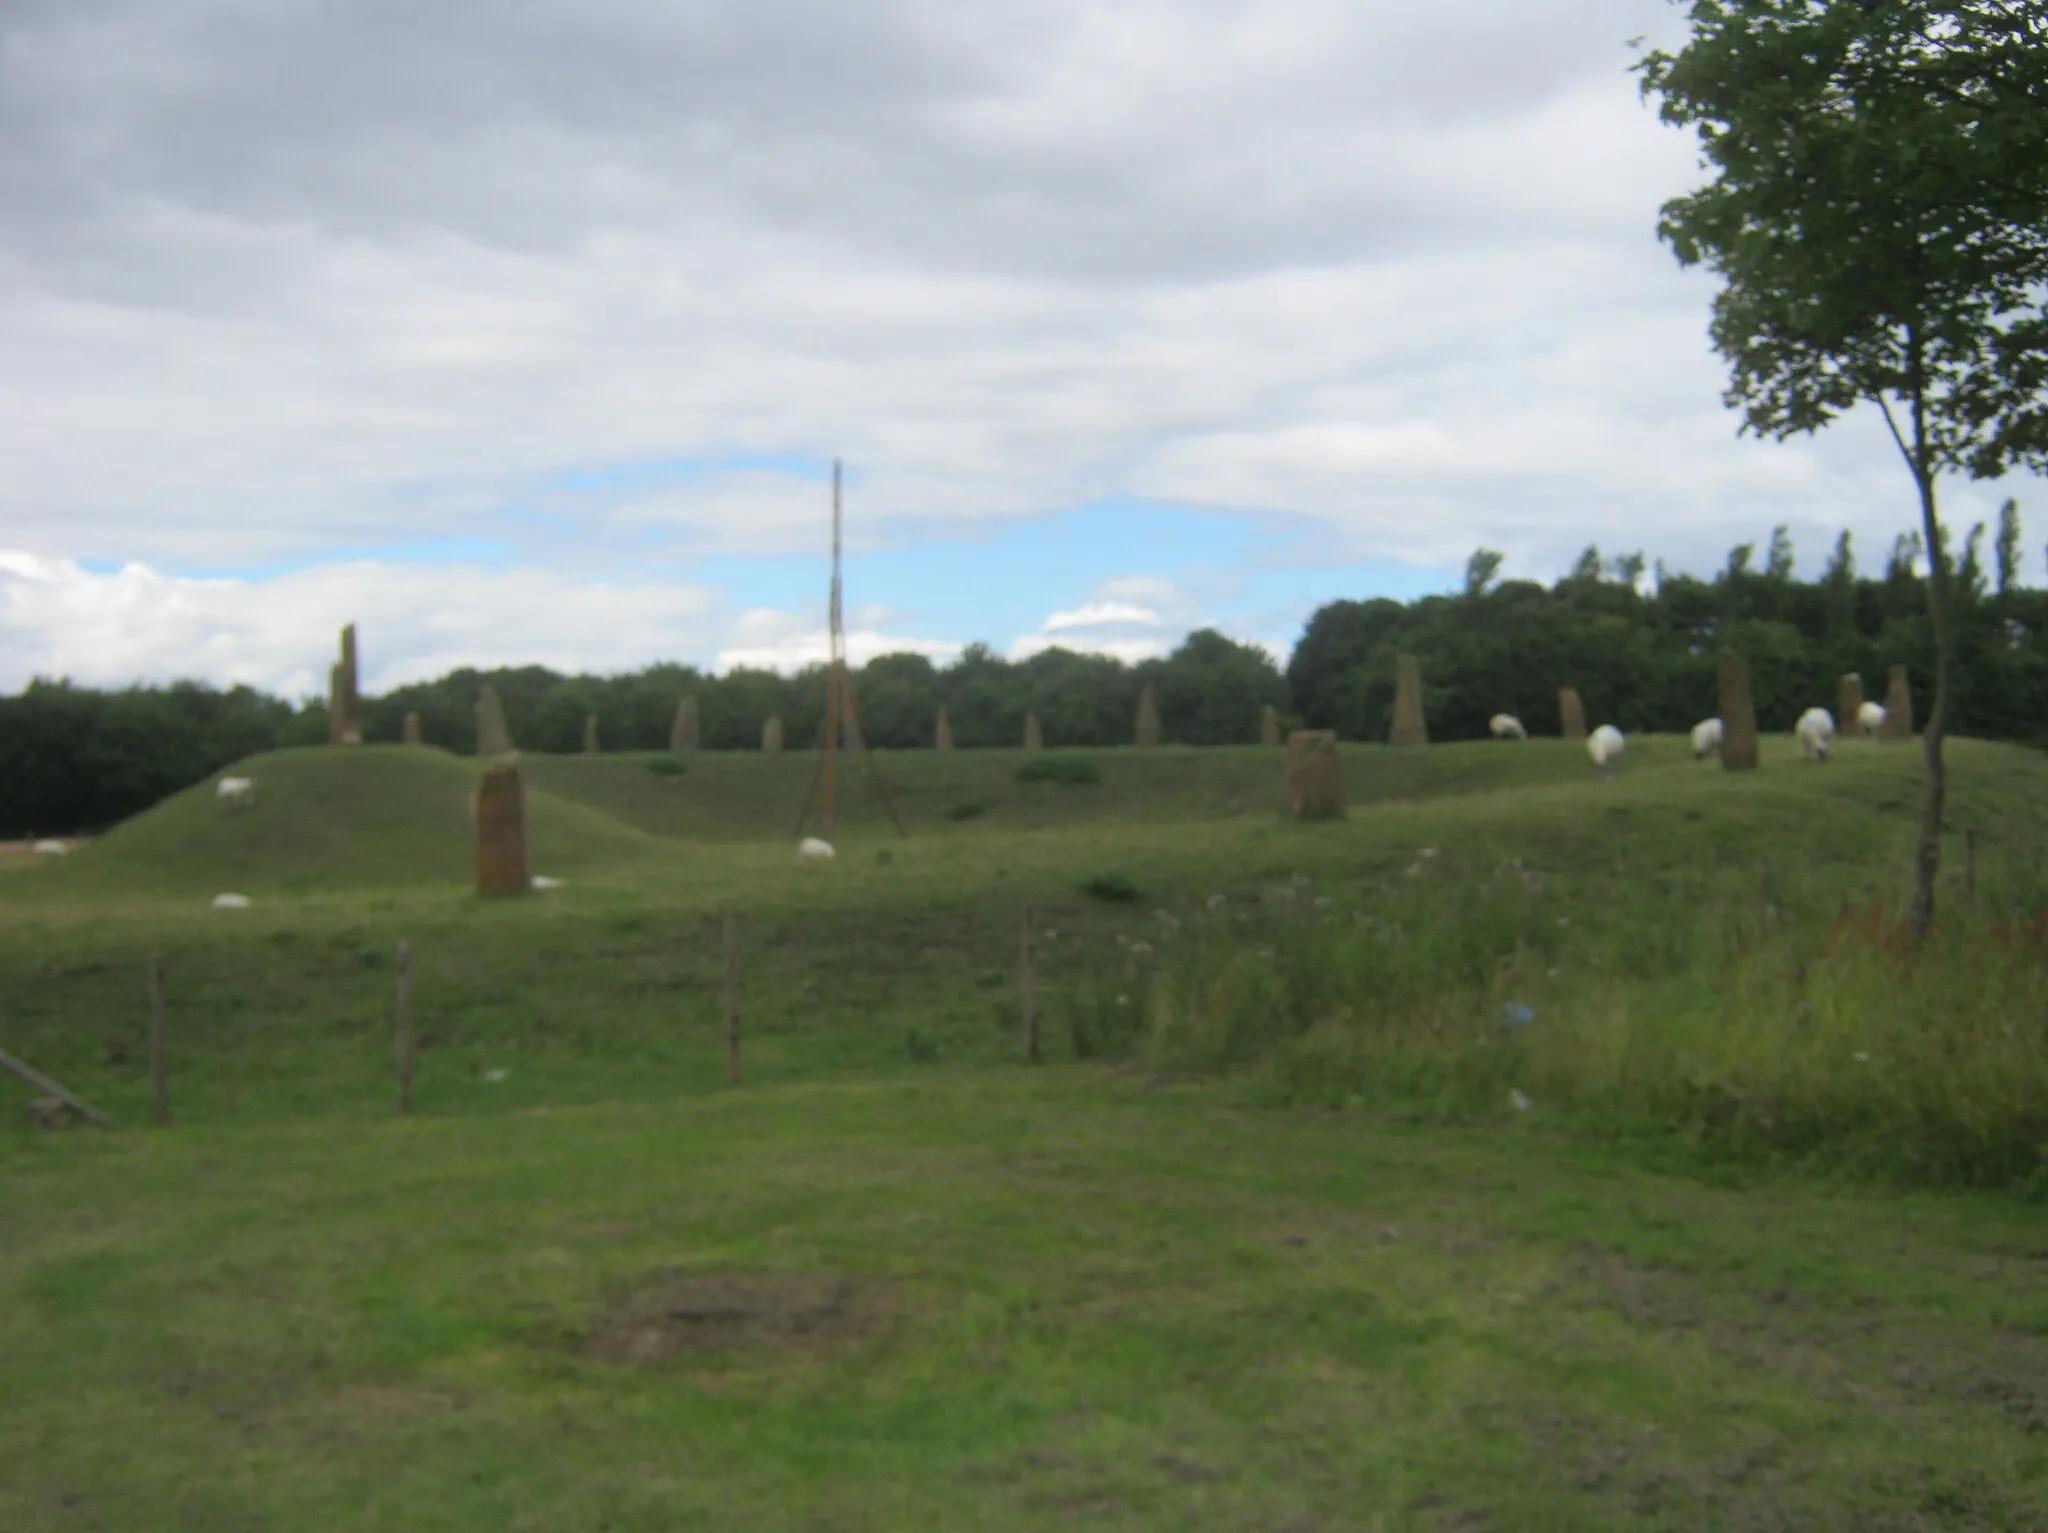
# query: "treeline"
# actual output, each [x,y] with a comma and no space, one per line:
[1641,654]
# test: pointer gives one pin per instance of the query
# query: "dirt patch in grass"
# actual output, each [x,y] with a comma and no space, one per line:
[674,1311]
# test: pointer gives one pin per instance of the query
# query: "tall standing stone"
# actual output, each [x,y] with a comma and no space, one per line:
[683,733]
[1147,731]
[1738,714]
[412,730]
[943,740]
[1848,702]
[1571,713]
[1313,788]
[1898,707]
[1034,737]
[492,737]
[1269,725]
[344,696]
[1409,727]
[504,860]
[590,734]
[771,736]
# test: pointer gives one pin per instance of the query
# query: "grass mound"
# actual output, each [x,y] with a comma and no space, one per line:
[375,817]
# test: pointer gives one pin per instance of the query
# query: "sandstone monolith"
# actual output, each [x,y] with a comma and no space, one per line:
[1409,727]
[492,737]
[344,697]
[1313,788]
[1269,725]
[412,730]
[1034,737]
[1848,702]
[771,736]
[590,734]
[1898,707]
[1571,714]
[504,860]
[943,739]
[683,732]
[1147,729]
[1738,714]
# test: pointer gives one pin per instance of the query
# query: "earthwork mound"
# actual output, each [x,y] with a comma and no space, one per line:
[673,1311]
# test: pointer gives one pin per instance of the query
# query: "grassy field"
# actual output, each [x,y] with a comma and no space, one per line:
[1265,1246]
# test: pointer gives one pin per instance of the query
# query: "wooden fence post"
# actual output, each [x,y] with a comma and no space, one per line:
[404,1026]
[732,1001]
[1030,985]
[159,1085]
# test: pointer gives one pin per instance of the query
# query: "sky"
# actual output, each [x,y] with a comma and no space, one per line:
[524,332]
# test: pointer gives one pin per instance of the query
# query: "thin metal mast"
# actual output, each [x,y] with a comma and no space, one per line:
[836,651]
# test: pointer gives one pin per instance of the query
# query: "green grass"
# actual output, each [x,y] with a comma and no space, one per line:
[1265,1247]
[1091,1302]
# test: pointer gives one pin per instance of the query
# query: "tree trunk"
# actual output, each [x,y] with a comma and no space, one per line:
[1927,857]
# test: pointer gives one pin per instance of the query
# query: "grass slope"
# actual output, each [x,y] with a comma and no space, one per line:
[379,816]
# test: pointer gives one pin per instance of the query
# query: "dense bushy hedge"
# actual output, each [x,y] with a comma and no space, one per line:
[72,758]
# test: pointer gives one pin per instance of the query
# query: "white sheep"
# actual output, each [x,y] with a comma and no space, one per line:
[1706,739]
[1605,745]
[231,902]
[1816,732]
[1505,726]
[50,848]
[1869,720]
[811,849]
[238,792]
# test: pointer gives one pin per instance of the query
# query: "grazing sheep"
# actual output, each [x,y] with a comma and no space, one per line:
[1816,732]
[1605,745]
[1869,720]
[238,792]
[811,849]
[50,848]
[231,902]
[1506,726]
[1706,739]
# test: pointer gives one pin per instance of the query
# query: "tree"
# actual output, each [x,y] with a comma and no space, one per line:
[2008,545]
[1880,218]
[1778,563]
[1589,566]
[1481,569]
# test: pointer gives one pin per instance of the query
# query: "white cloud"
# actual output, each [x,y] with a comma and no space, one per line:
[291,283]
[1102,613]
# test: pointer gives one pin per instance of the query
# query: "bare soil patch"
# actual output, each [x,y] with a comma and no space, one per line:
[674,1311]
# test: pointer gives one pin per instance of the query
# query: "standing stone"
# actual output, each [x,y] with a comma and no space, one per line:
[492,737]
[682,734]
[1738,714]
[944,738]
[1848,702]
[1898,707]
[1409,727]
[1148,718]
[412,730]
[1571,713]
[771,736]
[504,860]
[344,698]
[1269,725]
[1034,737]
[1314,785]
[590,734]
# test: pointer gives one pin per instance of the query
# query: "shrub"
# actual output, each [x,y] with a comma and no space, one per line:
[668,766]
[968,809]
[1067,769]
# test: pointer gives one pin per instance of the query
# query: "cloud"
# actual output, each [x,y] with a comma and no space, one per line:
[290,286]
